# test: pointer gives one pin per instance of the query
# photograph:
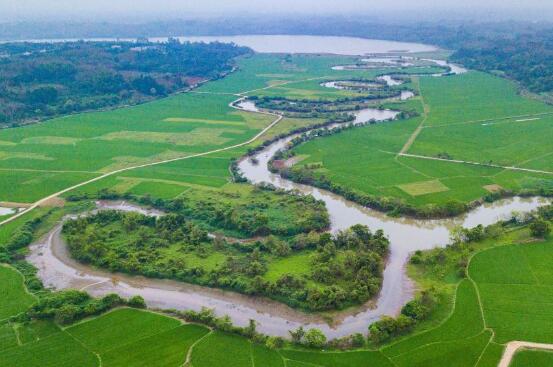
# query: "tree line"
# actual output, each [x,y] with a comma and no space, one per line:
[526,58]
[45,80]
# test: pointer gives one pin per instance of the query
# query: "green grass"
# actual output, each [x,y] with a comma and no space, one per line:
[423,188]
[105,141]
[165,349]
[8,338]
[474,96]
[119,328]
[124,337]
[297,264]
[505,143]
[465,352]
[348,359]
[219,349]
[531,358]
[516,289]
[14,298]
[515,305]
[58,350]
[465,321]
[36,330]
[491,356]
[265,357]
[364,159]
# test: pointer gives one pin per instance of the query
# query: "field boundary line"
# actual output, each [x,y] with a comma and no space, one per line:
[251,353]
[35,297]
[84,346]
[15,329]
[302,362]
[40,202]
[431,329]
[414,170]
[415,134]
[491,165]
[281,84]
[189,353]
[530,268]
[515,345]
[31,342]
[534,158]
[492,120]
[452,341]
[389,359]
[486,347]
[45,170]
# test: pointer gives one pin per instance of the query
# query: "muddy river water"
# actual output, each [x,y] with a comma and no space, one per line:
[58,270]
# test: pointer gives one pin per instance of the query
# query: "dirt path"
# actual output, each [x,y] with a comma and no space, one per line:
[476,163]
[426,111]
[46,199]
[242,96]
[514,346]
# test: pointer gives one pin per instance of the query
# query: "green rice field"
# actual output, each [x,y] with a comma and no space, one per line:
[474,123]
[508,288]
[491,307]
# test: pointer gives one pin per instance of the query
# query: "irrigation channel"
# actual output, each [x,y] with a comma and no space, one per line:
[58,270]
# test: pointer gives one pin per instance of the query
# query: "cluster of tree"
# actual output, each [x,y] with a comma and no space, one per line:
[66,307]
[526,58]
[45,80]
[129,242]
[346,267]
[541,223]
[23,236]
[313,108]
[255,214]
[455,257]
[312,338]
[413,312]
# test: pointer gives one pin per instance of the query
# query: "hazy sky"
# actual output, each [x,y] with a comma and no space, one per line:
[14,10]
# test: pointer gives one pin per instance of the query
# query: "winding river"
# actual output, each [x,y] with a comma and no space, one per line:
[58,270]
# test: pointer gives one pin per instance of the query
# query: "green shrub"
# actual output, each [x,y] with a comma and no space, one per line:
[315,338]
[539,228]
[136,302]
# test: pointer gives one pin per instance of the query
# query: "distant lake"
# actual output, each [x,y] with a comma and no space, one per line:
[295,44]
[315,44]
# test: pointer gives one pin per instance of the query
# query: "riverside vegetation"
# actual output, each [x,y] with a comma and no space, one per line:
[449,329]
[420,185]
[443,325]
[331,272]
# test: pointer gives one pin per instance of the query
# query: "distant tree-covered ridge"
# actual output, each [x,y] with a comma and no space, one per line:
[44,80]
[526,58]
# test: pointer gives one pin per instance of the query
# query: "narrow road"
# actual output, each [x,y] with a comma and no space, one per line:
[44,200]
[514,346]
[476,163]
[242,96]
